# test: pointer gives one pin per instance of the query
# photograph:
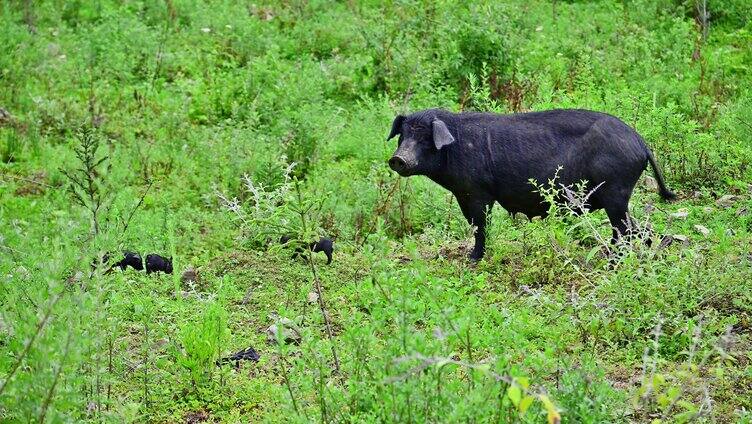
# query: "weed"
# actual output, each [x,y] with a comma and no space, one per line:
[202,342]
[88,185]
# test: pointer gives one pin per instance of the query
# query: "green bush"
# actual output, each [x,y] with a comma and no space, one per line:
[202,342]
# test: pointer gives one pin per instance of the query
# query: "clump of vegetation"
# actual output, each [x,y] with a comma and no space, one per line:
[213,129]
[203,342]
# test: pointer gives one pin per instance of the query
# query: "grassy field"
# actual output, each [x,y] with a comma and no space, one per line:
[203,131]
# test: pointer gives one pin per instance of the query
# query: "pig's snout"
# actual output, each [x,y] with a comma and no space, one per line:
[397,164]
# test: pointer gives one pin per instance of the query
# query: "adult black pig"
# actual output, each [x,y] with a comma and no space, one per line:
[484,158]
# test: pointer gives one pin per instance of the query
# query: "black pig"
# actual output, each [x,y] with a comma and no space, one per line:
[249,354]
[132,260]
[156,263]
[323,245]
[484,158]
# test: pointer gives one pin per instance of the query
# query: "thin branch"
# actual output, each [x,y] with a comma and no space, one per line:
[322,307]
[138,205]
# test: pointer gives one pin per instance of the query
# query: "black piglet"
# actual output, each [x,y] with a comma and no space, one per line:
[324,245]
[157,263]
[132,260]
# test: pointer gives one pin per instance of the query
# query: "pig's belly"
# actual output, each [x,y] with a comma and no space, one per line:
[531,206]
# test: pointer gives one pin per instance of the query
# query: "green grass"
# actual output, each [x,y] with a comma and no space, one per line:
[187,102]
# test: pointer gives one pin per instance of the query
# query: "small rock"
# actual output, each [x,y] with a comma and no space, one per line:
[742,212]
[206,30]
[681,238]
[729,232]
[189,275]
[649,208]
[697,194]
[708,209]
[702,230]
[726,201]
[313,297]
[680,214]
[284,329]
[650,183]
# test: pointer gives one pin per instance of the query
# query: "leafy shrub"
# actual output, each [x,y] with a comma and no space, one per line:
[202,342]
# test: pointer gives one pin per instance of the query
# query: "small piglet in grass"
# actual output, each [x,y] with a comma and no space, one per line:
[157,263]
[249,354]
[130,259]
[154,263]
[324,245]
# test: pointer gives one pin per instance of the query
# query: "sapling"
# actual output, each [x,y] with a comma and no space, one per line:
[302,208]
[89,186]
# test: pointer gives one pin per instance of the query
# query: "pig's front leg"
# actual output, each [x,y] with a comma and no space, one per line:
[476,211]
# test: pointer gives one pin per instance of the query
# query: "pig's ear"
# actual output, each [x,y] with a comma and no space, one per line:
[441,134]
[396,126]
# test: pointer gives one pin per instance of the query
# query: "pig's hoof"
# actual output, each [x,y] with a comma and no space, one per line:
[475,256]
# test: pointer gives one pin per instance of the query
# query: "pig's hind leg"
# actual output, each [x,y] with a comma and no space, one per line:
[615,200]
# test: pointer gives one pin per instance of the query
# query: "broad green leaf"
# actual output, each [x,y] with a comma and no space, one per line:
[592,253]
[523,381]
[514,394]
[525,404]
[688,406]
[663,400]
[673,393]
[658,381]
